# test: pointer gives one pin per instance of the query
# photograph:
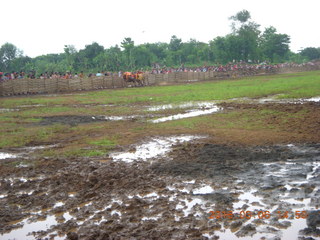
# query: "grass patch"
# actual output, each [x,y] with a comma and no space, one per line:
[84,153]
[106,143]
[22,136]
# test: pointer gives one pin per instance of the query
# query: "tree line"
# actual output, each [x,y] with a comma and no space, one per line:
[246,42]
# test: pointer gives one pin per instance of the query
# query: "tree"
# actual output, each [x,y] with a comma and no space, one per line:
[8,52]
[70,52]
[242,16]
[20,63]
[92,50]
[247,33]
[220,48]
[311,53]
[159,51]
[142,56]
[85,56]
[274,46]
[128,44]
[175,50]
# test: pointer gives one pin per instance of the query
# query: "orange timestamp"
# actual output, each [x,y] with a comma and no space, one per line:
[257,214]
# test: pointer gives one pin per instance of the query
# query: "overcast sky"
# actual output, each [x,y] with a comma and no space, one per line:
[44,26]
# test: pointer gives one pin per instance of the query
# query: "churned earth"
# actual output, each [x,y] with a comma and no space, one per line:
[210,182]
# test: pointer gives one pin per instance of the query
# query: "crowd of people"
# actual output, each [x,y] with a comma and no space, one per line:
[234,66]
[48,75]
[229,67]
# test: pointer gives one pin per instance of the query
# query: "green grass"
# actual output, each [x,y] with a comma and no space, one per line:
[107,143]
[297,85]
[83,153]
[21,136]
[305,84]
[18,128]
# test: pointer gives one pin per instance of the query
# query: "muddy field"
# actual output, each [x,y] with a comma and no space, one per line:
[212,184]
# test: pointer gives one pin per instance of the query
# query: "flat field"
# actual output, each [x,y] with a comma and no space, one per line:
[229,159]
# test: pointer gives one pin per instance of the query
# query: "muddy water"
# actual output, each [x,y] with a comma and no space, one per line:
[23,152]
[151,149]
[3,110]
[198,109]
[314,99]
[193,105]
[192,113]
[7,155]
[276,99]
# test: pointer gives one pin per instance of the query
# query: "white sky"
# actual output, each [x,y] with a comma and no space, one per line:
[44,26]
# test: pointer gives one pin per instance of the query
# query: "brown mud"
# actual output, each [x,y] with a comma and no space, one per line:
[170,196]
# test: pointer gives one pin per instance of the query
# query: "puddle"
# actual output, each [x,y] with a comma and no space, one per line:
[3,110]
[274,99]
[183,105]
[7,155]
[313,99]
[40,147]
[45,224]
[199,108]
[23,152]
[29,227]
[187,206]
[58,204]
[114,212]
[227,234]
[151,218]
[119,118]
[31,106]
[152,195]
[191,113]
[154,148]
[248,198]
[22,165]
[203,190]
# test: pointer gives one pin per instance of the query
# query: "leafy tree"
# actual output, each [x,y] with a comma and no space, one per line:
[84,58]
[242,16]
[20,63]
[159,51]
[175,53]
[8,52]
[115,59]
[142,56]
[92,50]
[70,52]
[311,53]
[128,45]
[220,48]
[274,46]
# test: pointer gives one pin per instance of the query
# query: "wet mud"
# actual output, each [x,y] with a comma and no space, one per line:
[71,120]
[167,197]
[74,120]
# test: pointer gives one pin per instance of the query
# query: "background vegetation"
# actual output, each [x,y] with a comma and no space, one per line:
[245,42]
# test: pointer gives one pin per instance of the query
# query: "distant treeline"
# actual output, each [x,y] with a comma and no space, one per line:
[245,43]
